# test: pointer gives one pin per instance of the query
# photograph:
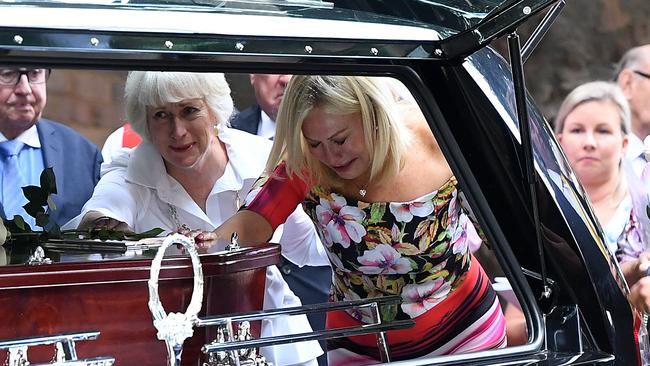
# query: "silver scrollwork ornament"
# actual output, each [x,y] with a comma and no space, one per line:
[17,356]
[174,328]
[245,357]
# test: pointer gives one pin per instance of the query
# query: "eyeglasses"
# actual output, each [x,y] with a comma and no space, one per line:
[641,73]
[11,77]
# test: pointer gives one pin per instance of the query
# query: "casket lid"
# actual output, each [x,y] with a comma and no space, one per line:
[78,267]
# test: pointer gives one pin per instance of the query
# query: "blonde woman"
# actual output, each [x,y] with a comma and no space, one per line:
[592,126]
[363,162]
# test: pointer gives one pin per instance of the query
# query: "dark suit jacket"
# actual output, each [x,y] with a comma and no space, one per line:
[76,163]
[248,120]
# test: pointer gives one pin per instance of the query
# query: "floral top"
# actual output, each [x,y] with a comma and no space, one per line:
[629,243]
[418,249]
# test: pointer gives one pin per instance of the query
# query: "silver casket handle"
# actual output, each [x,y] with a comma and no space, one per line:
[174,328]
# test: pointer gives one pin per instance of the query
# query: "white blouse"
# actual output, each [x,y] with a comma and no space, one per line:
[136,189]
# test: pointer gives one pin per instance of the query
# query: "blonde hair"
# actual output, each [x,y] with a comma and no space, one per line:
[595,91]
[386,139]
[599,91]
[156,88]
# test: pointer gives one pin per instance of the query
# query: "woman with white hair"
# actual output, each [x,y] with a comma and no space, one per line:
[592,126]
[192,172]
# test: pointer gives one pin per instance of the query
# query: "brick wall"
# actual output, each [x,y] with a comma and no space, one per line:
[91,101]
[88,101]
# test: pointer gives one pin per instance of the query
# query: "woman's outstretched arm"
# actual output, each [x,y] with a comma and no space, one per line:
[268,207]
[250,227]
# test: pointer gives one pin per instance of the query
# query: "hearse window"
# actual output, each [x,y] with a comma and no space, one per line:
[400,227]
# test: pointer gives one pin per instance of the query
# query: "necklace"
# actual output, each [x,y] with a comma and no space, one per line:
[174,215]
[361,189]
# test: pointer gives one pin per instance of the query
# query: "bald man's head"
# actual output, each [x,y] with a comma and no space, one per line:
[633,76]
[269,90]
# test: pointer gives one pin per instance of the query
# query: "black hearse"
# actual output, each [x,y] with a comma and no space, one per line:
[543,235]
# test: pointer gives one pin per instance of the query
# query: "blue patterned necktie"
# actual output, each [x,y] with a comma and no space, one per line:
[12,179]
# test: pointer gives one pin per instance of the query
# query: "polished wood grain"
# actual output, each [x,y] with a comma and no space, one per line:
[111,296]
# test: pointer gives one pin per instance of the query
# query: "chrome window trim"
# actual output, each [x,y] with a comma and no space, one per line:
[186,23]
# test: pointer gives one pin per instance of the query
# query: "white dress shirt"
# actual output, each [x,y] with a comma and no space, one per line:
[266,127]
[136,189]
[635,152]
[112,144]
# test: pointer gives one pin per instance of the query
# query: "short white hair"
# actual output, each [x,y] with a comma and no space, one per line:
[156,88]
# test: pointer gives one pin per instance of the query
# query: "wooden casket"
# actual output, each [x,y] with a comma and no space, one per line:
[107,292]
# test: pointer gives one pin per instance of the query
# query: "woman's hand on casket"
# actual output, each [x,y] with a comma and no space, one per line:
[199,236]
[249,226]
[95,220]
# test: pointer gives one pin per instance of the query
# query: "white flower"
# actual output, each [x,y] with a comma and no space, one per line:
[341,222]
[418,299]
[384,259]
[404,212]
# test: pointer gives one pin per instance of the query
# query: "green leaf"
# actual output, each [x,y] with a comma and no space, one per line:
[443,273]
[37,198]
[55,231]
[48,181]
[377,211]
[106,234]
[147,234]
[35,194]
[422,228]
[440,248]
[424,242]
[388,312]
[42,219]
[406,249]
[443,234]
[33,209]
[20,223]
[103,234]
[116,235]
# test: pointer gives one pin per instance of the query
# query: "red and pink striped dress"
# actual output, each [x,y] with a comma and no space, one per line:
[417,249]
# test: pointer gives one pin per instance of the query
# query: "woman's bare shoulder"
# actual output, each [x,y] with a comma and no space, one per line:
[411,114]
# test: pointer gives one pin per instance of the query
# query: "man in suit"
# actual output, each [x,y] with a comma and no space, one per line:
[310,283]
[29,144]
[633,76]
[259,119]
